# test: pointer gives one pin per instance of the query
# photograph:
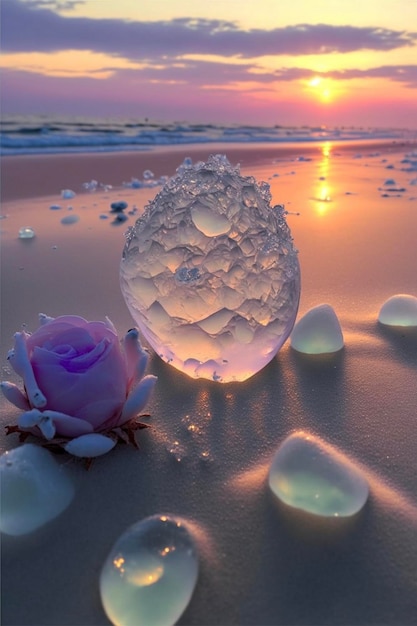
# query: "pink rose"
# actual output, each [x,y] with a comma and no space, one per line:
[79,382]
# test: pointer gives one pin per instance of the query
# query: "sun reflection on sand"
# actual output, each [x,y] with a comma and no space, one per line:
[322,192]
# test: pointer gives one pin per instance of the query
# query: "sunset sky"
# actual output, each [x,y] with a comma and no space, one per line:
[332,62]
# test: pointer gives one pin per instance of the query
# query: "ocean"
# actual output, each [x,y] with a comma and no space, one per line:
[20,135]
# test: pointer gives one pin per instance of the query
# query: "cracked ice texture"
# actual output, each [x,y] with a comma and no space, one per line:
[210,274]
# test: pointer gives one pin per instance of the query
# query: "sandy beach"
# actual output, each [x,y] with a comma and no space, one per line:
[353,216]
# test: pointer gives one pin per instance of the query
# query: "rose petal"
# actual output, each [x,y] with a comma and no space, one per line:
[14,395]
[72,392]
[84,362]
[137,400]
[101,414]
[56,326]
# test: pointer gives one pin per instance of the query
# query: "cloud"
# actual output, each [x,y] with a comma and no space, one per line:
[35,27]
[406,74]
[55,5]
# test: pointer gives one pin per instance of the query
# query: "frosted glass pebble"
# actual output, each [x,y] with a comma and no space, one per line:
[150,574]
[318,331]
[308,474]
[26,232]
[34,489]
[400,310]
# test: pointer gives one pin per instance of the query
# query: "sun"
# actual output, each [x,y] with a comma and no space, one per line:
[315,82]
[320,88]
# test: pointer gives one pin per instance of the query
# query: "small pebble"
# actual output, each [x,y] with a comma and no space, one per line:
[318,331]
[118,207]
[67,194]
[399,310]
[34,489]
[310,475]
[150,574]
[70,219]
[26,232]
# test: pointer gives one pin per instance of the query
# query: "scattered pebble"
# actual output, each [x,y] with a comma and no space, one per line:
[399,310]
[55,207]
[70,219]
[91,186]
[318,332]
[310,475]
[67,194]
[26,232]
[118,207]
[120,218]
[35,489]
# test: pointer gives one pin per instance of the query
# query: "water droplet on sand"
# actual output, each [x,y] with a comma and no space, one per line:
[150,574]
[318,331]
[400,310]
[177,450]
[308,474]
[34,489]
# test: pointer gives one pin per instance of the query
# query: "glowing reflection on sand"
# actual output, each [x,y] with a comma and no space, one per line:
[322,192]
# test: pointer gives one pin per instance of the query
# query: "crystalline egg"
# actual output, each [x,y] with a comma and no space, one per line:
[210,274]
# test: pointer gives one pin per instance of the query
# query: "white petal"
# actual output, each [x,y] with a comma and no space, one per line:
[45,319]
[137,400]
[29,419]
[14,395]
[47,427]
[89,446]
[110,324]
[67,425]
[19,360]
[136,357]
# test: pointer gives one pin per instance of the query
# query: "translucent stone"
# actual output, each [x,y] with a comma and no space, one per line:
[67,194]
[318,331]
[70,219]
[400,310]
[150,574]
[34,489]
[210,274]
[26,232]
[308,474]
